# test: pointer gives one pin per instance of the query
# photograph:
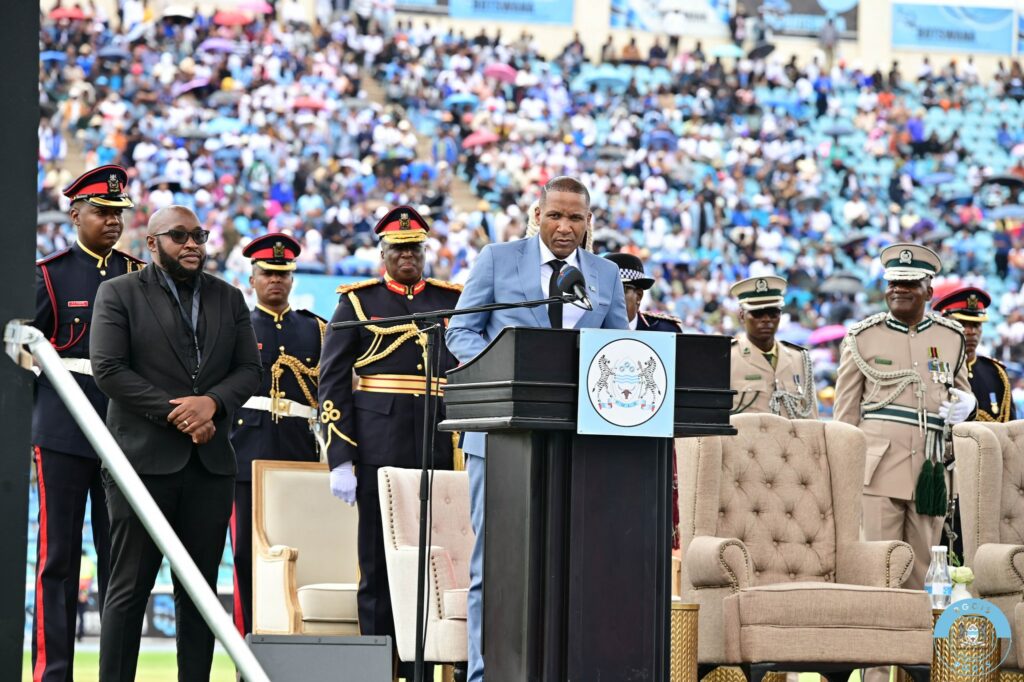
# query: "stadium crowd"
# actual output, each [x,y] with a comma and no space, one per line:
[710,165]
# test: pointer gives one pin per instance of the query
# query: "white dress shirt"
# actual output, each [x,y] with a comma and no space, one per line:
[634,322]
[570,314]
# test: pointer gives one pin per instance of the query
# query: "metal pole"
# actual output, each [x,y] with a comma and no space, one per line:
[18,333]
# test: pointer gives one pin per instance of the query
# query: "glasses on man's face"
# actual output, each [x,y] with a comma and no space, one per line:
[181,236]
[770,313]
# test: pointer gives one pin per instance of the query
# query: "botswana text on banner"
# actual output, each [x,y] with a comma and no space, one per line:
[953,27]
[524,11]
[691,18]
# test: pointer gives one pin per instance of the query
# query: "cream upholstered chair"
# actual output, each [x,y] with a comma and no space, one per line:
[769,523]
[990,480]
[448,567]
[305,569]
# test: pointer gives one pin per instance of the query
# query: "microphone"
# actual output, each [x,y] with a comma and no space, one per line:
[573,287]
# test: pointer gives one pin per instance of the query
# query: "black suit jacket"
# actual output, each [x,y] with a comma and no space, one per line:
[139,364]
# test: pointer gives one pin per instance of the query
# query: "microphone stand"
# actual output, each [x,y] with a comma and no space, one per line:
[432,320]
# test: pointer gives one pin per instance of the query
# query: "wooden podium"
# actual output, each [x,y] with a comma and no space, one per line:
[577,534]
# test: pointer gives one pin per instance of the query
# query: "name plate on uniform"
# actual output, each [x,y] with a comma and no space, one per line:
[626,385]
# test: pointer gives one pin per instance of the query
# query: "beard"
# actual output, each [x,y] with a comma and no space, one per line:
[174,268]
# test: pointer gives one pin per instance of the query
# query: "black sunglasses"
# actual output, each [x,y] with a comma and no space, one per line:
[181,236]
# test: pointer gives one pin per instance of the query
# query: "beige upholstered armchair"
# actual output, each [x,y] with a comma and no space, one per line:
[769,524]
[448,566]
[990,480]
[305,569]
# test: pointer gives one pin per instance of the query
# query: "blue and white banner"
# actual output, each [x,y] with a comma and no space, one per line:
[627,383]
[953,27]
[523,11]
[691,18]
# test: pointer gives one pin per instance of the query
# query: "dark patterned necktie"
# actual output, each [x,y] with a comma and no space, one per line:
[555,309]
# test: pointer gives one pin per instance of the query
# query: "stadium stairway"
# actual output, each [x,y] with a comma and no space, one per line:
[463,198]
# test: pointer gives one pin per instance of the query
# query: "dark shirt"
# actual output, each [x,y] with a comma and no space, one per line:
[182,303]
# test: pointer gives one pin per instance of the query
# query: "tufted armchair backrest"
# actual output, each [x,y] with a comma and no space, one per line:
[788,489]
[450,529]
[990,458]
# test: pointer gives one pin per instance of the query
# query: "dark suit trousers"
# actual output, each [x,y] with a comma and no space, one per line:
[65,482]
[197,504]
[241,548]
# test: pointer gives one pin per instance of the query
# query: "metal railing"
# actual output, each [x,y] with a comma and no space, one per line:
[19,335]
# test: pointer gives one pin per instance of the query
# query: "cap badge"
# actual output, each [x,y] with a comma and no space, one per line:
[906,258]
[761,286]
[113,186]
[403,221]
[278,250]
[972,302]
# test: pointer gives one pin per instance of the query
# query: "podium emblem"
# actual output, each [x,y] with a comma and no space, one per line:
[626,380]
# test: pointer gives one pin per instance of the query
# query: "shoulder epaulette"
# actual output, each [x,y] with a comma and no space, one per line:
[867,322]
[345,288]
[663,316]
[53,256]
[444,285]
[128,256]
[310,313]
[797,346]
[946,322]
[733,341]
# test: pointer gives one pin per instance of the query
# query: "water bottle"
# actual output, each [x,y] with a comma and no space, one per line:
[937,582]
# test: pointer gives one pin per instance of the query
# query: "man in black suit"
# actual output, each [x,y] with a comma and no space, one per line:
[174,350]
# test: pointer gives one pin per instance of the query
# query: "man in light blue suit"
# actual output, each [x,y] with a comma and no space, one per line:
[519,271]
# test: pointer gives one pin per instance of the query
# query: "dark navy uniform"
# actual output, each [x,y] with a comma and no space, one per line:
[67,467]
[379,422]
[658,322]
[277,422]
[991,386]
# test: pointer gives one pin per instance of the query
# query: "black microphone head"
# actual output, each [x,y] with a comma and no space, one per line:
[569,278]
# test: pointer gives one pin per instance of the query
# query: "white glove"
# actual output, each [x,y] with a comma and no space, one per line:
[343,483]
[957,412]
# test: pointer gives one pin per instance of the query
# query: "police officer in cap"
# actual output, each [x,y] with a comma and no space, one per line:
[379,421]
[902,380]
[634,283]
[67,468]
[989,382]
[277,422]
[769,375]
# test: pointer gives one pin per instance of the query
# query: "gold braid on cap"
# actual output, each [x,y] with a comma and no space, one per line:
[373,353]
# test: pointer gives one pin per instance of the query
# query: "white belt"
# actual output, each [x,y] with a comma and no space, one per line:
[77,365]
[283,407]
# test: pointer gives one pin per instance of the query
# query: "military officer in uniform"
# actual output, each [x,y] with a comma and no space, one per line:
[769,375]
[989,382]
[634,283]
[903,381]
[67,468]
[277,422]
[379,421]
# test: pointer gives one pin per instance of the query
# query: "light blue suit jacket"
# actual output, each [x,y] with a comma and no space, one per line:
[510,273]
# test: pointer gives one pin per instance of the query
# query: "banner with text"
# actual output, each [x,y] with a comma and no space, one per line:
[803,17]
[690,18]
[953,27]
[521,11]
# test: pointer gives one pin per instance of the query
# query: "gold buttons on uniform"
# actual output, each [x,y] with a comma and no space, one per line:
[103,272]
[278,325]
[409,296]
[77,320]
[281,348]
[417,366]
[309,359]
[241,421]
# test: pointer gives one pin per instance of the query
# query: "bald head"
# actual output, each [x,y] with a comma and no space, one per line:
[177,241]
[172,217]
